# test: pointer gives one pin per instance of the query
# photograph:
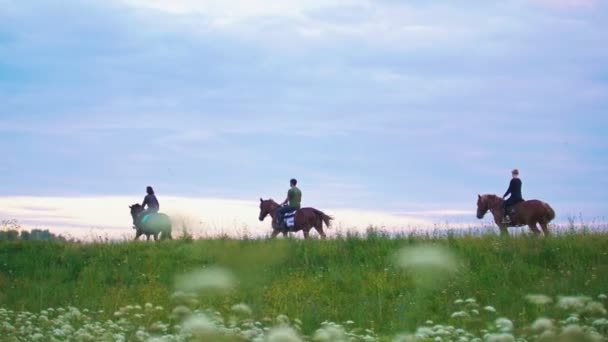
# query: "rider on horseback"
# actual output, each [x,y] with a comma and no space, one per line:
[294,198]
[151,201]
[515,191]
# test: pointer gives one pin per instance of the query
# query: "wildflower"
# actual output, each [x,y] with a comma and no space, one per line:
[600,322]
[602,297]
[572,303]
[214,278]
[181,310]
[458,301]
[427,256]
[424,332]
[490,309]
[539,299]
[283,334]
[504,324]
[460,314]
[573,333]
[242,309]
[470,301]
[330,332]
[500,338]
[405,338]
[199,325]
[572,319]
[542,324]
[595,308]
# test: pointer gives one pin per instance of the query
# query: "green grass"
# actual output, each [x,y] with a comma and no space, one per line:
[337,280]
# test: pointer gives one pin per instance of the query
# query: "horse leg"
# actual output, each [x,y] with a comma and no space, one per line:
[147,237]
[503,230]
[306,233]
[137,235]
[321,232]
[534,228]
[274,234]
[156,237]
[544,227]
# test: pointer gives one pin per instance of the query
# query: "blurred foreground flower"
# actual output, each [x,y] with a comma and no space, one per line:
[213,278]
[429,264]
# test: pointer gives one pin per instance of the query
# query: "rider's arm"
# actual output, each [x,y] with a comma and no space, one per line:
[509,189]
[287,198]
[146,200]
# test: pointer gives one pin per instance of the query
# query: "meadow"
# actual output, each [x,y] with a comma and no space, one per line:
[360,288]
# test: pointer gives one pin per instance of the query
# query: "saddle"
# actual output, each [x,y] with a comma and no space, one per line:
[289,219]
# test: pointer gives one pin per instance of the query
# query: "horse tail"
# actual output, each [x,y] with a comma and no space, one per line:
[550,215]
[324,217]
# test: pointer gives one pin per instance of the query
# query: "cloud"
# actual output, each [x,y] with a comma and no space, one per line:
[567,3]
[369,103]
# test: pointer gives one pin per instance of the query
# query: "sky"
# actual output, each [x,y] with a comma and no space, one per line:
[387,112]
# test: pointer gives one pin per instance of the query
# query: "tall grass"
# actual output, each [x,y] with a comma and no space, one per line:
[360,279]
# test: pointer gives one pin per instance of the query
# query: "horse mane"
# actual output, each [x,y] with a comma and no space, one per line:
[492,200]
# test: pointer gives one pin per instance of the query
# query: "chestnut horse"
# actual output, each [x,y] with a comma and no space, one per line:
[305,219]
[531,213]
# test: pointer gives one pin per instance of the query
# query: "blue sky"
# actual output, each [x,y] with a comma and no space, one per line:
[398,106]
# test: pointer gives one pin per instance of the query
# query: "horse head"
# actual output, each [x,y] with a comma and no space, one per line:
[267,207]
[482,206]
[485,203]
[136,209]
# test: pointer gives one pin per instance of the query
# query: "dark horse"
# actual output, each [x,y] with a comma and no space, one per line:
[531,213]
[305,219]
[153,224]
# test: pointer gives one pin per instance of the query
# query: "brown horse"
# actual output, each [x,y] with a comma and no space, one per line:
[305,219]
[531,213]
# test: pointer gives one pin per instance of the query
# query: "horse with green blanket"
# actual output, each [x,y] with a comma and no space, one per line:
[150,223]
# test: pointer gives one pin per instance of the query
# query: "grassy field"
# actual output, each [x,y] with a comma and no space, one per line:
[371,287]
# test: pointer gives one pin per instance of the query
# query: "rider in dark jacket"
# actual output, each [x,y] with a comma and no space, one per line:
[151,201]
[515,191]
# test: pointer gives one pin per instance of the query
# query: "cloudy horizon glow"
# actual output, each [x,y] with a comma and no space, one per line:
[393,109]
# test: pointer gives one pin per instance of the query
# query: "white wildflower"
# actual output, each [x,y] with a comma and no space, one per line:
[539,299]
[460,314]
[242,309]
[330,332]
[600,322]
[427,256]
[572,319]
[405,338]
[542,324]
[504,324]
[500,338]
[213,278]
[572,303]
[199,325]
[181,310]
[573,333]
[424,332]
[602,297]
[595,308]
[490,309]
[283,334]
